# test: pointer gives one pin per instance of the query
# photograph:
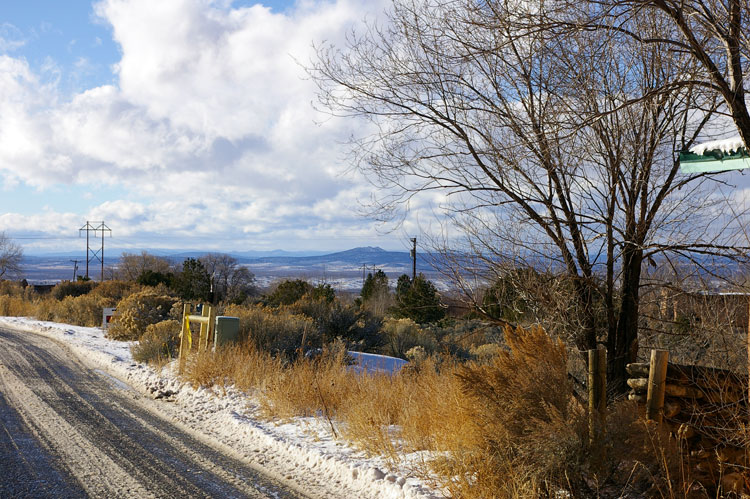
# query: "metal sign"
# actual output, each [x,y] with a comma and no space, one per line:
[107,314]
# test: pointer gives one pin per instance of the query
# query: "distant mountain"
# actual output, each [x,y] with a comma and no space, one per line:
[114,253]
[356,257]
[277,262]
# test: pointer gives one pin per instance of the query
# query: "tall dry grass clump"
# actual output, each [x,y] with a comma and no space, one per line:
[240,365]
[521,430]
[309,387]
[159,344]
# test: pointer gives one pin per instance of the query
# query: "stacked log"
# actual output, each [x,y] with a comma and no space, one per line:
[707,409]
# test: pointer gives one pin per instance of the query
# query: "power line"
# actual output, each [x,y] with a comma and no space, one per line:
[90,253]
[75,268]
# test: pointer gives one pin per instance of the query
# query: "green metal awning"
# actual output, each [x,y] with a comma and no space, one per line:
[717,156]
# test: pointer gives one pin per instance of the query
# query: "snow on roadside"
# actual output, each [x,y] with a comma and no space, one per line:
[302,451]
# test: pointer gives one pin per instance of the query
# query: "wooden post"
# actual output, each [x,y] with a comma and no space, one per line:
[657,382]
[211,327]
[183,338]
[597,392]
[203,338]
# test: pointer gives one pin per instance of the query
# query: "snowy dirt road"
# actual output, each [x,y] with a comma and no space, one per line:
[69,431]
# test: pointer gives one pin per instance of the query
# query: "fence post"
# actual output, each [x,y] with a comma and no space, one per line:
[203,340]
[183,337]
[657,381]
[597,392]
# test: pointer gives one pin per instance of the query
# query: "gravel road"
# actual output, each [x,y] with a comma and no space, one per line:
[69,431]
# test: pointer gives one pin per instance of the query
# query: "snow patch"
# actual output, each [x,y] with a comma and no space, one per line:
[726,146]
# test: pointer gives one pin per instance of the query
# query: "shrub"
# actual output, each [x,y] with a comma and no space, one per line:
[401,335]
[277,331]
[159,343]
[334,320]
[15,306]
[72,288]
[486,352]
[114,291]
[136,312]
[153,278]
[84,310]
[11,288]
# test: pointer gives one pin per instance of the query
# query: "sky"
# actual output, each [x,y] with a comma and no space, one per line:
[182,124]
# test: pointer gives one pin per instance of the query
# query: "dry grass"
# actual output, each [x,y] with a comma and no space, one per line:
[278,331]
[508,427]
[159,344]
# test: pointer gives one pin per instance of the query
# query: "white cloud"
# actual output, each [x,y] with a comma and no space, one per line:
[210,120]
[11,38]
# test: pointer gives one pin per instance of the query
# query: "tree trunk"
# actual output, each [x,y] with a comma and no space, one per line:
[623,345]
[586,339]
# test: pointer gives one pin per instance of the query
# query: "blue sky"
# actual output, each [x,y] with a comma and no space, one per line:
[184,124]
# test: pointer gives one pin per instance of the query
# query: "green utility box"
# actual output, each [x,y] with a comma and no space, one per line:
[227,330]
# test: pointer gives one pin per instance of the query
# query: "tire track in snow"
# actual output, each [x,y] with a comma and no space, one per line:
[108,442]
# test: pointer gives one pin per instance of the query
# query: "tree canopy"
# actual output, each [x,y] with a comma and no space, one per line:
[417,300]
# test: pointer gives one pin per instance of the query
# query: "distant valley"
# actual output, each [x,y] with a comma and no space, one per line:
[344,270]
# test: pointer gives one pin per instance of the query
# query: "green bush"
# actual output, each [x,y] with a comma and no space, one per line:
[288,292]
[136,312]
[159,343]
[417,300]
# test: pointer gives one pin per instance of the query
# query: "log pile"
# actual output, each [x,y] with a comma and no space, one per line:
[707,409]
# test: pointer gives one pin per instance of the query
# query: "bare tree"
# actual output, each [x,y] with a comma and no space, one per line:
[132,265]
[11,255]
[551,146]
[714,34]
[229,279]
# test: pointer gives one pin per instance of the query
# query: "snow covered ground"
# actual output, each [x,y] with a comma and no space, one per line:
[302,452]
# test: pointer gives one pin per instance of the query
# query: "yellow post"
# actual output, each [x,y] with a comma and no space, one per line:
[205,311]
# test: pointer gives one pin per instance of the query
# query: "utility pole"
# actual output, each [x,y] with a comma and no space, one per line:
[413,258]
[91,254]
[75,269]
